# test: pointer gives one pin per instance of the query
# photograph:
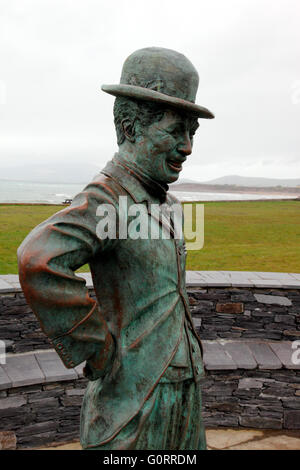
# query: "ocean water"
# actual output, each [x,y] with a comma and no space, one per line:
[23,191]
[56,193]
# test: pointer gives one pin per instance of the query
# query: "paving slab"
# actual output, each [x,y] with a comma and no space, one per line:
[216,284]
[23,369]
[291,285]
[264,356]
[15,285]
[10,282]
[5,381]
[5,286]
[221,439]
[242,284]
[280,441]
[215,357]
[284,352]
[245,274]
[214,278]
[275,276]
[79,369]
[192,278]
[268,284]
[240,354]
[232,439]
[10,277]
[243,279]
[53,368]
[212,274]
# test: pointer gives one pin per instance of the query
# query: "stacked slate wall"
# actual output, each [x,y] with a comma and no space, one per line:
[42,414]
[45,413]
[246,313]
[217,312]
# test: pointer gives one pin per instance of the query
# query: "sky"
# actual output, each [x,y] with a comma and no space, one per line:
[57,125]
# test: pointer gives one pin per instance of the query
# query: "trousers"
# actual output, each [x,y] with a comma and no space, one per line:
[170,419]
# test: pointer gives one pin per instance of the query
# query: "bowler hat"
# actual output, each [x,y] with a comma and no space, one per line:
[162,76]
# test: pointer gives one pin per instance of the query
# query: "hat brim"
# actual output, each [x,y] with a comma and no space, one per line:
[145,94]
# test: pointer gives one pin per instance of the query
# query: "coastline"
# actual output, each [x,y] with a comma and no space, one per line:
[233,189]
[183,201]
[55,194]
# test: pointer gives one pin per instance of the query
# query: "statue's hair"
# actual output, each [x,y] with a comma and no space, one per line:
[145,112]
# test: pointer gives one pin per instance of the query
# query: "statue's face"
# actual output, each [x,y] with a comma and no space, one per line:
[164,146]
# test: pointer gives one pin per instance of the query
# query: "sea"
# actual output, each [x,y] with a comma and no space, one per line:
[56,193]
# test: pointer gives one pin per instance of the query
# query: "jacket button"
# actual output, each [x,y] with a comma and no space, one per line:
[181,250]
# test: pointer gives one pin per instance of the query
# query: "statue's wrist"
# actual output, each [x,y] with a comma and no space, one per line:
[99,364]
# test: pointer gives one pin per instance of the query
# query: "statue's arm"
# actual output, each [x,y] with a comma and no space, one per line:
[47,260]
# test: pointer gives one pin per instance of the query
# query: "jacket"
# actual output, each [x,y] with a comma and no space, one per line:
[130,336]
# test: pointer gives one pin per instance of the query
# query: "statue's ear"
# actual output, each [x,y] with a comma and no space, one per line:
[128,129]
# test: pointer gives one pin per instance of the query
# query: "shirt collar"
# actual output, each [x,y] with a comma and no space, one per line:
[138,190]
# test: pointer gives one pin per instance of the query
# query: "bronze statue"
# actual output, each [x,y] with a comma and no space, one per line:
[143,356]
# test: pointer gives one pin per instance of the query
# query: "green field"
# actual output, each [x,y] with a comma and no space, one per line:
[239,236]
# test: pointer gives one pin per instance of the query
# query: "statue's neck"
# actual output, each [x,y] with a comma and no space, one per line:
[128,159]
[155,187]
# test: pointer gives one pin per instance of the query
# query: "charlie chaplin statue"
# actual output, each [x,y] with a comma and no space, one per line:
[143,356]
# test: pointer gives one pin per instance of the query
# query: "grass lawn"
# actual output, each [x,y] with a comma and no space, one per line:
[249,236]
[239,236]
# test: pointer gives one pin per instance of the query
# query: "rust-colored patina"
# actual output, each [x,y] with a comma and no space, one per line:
[143,356]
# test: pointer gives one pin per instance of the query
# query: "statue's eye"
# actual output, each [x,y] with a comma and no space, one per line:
[193,129]
[174,131]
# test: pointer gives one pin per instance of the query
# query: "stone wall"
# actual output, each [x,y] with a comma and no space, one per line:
[246,313]
[218,312]
[19,327]
[246,322]
[266,399]
[43,413]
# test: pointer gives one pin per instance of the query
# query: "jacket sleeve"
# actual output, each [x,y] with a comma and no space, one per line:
[47,260]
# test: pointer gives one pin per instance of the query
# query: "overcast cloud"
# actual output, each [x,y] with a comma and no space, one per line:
[55,54]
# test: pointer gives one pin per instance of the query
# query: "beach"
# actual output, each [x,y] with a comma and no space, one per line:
[56,193]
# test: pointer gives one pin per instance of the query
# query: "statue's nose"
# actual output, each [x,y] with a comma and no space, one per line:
[185,146]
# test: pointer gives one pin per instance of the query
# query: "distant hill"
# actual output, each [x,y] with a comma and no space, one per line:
[185,181]
[242,184]
[257,182]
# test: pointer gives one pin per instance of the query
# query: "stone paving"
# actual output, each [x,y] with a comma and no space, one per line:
[10,282]
[45,366]
[233,439]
